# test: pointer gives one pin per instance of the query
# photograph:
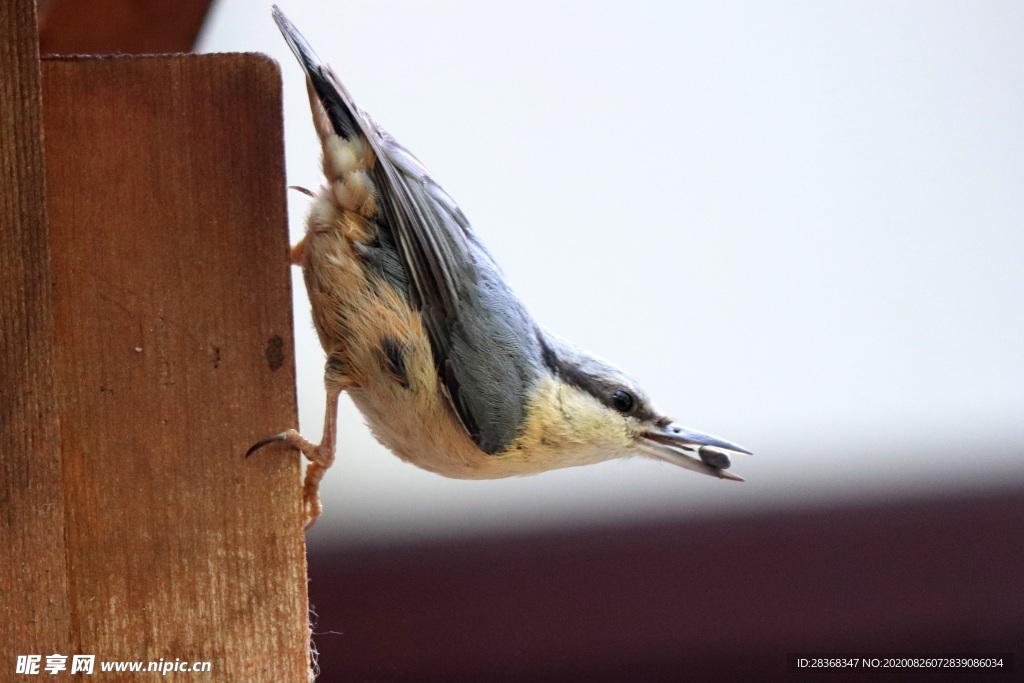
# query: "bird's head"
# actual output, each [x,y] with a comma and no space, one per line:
[595,406]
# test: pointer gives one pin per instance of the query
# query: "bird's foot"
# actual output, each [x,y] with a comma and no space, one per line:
[297,255]
[321,456]
[311,492]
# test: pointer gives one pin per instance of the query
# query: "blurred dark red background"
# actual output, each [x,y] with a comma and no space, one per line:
[721,599]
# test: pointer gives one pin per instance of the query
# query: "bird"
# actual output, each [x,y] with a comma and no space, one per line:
[422,330]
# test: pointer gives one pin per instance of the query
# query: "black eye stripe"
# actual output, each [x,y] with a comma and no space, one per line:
[586,374]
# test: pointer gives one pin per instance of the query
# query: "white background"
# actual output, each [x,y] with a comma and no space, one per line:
[800,225]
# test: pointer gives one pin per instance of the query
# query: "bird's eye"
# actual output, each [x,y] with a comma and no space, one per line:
[622,400]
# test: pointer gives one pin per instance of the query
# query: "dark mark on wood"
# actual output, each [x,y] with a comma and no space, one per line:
[275,353]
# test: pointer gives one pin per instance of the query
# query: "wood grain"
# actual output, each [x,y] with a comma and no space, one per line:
[120,26]
[34,613]
[172,297]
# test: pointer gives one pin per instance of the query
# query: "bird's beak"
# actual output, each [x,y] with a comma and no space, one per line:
[677,445]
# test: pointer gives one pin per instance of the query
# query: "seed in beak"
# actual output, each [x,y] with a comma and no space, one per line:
[714,457]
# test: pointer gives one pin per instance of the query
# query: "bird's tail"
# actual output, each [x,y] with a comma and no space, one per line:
[344,117]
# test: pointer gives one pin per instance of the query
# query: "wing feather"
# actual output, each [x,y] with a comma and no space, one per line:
[484,343]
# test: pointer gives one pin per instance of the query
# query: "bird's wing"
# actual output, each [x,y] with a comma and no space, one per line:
[484,342]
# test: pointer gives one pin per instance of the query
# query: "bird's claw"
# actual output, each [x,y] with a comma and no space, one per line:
[265,442]
[320,457]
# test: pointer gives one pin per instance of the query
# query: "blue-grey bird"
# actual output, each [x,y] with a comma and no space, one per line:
[421,329]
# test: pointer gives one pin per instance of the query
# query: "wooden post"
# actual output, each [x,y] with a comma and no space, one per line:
[146,343]
[31,501]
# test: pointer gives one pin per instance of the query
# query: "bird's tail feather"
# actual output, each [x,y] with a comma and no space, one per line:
[341,111]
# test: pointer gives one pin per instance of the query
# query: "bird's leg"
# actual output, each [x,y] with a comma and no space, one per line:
[320,456]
